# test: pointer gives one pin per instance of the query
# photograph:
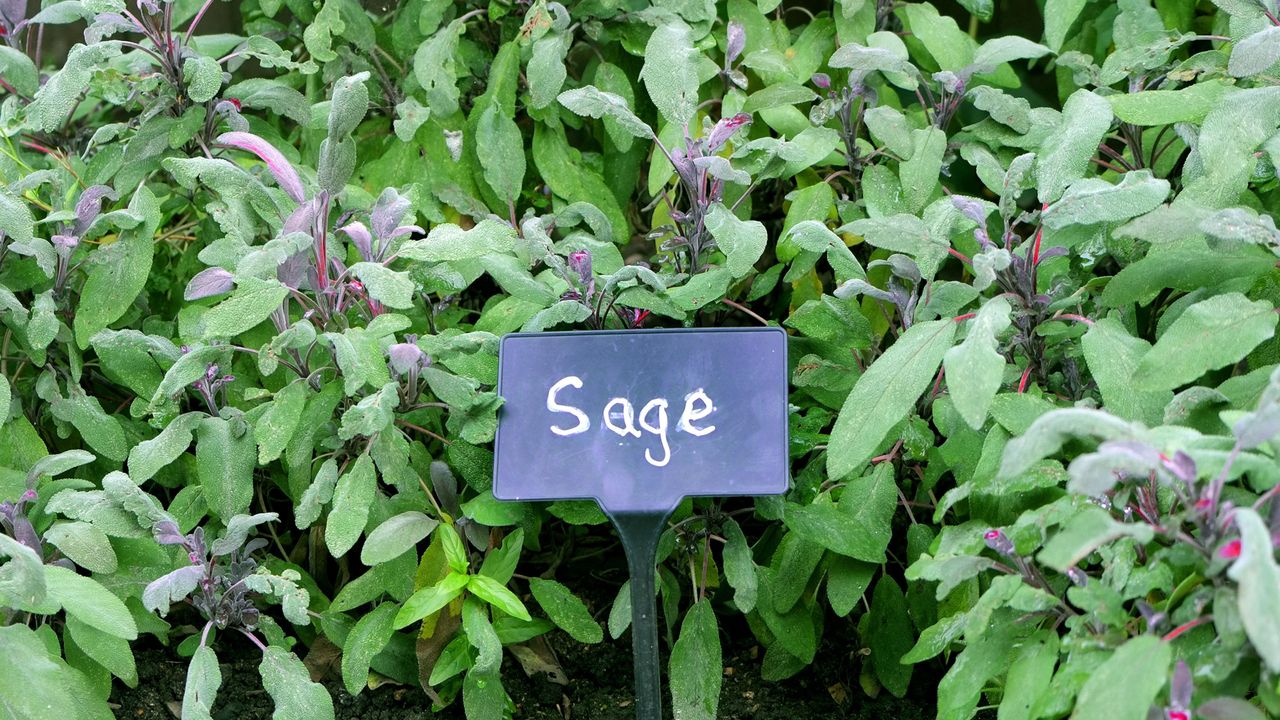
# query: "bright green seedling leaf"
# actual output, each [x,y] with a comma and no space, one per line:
[974,368]
[885,394]
[431,599]
[1210,334]
[697,668]
[497,595]
[566,610]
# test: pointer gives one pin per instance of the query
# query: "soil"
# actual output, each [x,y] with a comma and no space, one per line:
[598,689]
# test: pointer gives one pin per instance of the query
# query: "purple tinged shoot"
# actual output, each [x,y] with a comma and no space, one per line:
[724,130]
[207,283]
[407,357]
[998,541]
[736,41]
[359,235]
[822,81]
[283,171]
[580,264]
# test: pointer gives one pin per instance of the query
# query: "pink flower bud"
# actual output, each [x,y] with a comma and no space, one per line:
[1231,550]
[998,541]
[821,80]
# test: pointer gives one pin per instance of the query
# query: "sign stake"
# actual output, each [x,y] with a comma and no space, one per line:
[640,533]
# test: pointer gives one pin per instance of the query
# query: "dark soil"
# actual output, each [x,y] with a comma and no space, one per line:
[599,688]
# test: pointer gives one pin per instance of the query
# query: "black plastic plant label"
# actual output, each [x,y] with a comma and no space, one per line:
[639,419]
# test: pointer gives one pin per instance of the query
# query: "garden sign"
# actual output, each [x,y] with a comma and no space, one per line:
[638,420]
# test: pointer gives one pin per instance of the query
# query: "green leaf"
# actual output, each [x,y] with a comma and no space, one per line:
[435,69]
[18,70]
[151,456]
[119,271]
[594,102]
[1166,107]
[225,458]
[1059,16]
[84,544]
[1065,153]
[1089,530]
[1029,676]
[450,243]
[253,302]
[46,687]
[58,463]
[431,599]
[110,652]
[317,495]
[566,610]
[287,681]
[22,578]
[1255,53]
[389,287]
[1125,686]
[741,241]
[1051,431]
[670,72]
[275,427]
[501,151]
[1210,334]
[847,582]
[1257,580]
[204,677]
[1112,355]
[859,526]
[16,220]
[697,668]
[60,94]
[89,602]
[889,636]
[203,76]
[739,569]
[497,595]
[886,393]
[100,431]
[370,635]
[973,368]
[396,536]
[546,71]
[351,501]
[1093,200]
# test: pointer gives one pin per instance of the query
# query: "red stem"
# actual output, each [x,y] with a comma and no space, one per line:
[1022,384]
[1187,626]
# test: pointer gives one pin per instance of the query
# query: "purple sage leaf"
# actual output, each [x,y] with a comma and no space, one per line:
[284,173]
[207,283]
